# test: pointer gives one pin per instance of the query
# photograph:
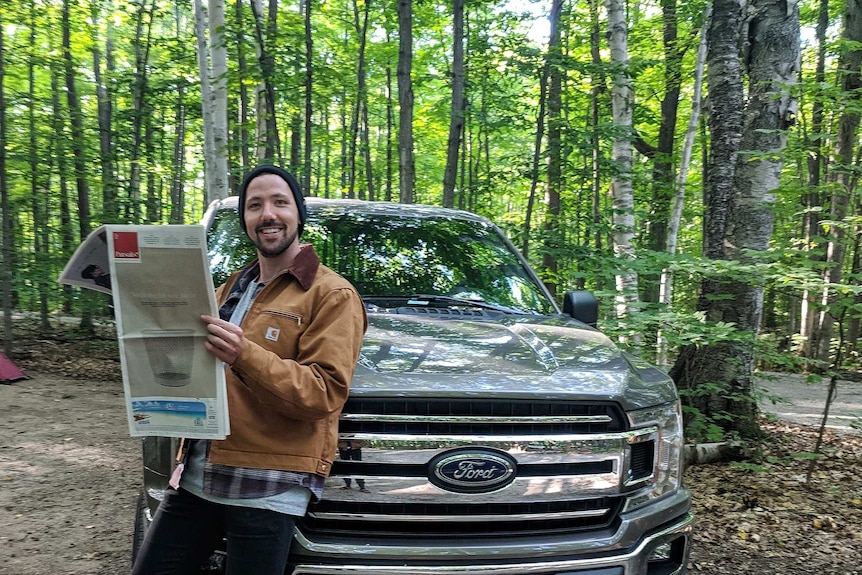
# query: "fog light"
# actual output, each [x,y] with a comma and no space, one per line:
[668,558]
[660,553]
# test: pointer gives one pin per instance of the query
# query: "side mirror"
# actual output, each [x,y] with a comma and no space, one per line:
[582,305]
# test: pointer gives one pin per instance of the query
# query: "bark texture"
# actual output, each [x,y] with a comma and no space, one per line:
[718,377]
[406,162]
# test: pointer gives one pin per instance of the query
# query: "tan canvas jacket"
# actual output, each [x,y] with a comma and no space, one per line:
[287,387]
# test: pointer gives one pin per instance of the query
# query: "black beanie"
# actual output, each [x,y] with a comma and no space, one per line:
[292,184]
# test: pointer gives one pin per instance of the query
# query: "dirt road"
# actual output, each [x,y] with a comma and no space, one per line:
[791,397]
[70,474]
[69,477]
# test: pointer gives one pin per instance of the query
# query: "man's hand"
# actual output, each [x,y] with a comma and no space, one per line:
[225,340]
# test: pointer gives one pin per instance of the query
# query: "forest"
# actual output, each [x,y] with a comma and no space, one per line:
[693,164]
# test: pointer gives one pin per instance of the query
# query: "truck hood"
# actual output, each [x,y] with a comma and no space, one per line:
[512,356]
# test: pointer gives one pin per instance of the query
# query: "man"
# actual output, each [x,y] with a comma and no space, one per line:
[289,332]
[98,275]
[351,450]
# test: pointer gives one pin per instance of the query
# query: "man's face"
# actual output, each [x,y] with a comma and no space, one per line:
[271,215]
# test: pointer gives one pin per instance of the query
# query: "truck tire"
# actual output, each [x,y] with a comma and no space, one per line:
[141,526]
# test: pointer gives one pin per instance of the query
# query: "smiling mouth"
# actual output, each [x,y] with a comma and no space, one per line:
[268,230]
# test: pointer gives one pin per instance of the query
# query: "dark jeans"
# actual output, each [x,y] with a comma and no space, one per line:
[186,530]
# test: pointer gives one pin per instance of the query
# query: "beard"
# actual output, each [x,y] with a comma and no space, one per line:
[272,250]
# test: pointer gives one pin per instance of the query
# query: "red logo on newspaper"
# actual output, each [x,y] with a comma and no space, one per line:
[126,246]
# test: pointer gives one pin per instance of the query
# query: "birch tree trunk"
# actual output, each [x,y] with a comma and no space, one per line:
[406,162]
[621,187]
[666,282]
[456,115]
[243,145]
[717,379]
[212,66]
[217,188]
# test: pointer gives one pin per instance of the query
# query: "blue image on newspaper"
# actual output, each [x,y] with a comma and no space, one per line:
[143,409]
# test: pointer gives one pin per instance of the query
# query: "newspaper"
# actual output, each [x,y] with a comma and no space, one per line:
[160,282]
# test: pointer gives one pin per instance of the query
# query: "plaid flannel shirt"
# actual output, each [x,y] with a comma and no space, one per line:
[243,482]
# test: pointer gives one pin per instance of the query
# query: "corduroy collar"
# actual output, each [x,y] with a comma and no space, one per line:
[304,266]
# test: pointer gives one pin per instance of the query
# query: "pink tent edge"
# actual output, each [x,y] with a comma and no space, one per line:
[9,372]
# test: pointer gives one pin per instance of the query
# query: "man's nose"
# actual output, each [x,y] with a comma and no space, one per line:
[268,211]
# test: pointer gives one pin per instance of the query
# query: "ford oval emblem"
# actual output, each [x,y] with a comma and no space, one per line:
[472,470]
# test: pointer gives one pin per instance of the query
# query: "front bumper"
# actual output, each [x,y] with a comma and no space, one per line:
[626,551]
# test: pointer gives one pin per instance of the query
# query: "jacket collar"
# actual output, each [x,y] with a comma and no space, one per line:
[303,268]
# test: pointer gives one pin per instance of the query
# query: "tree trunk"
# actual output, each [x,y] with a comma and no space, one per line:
[390,128]
[360,27]
[269,142]
[406,162]
[244,143]
[177,192]
[78,145]
[551,225]
[718,377]
[366,149]
[663,189]
[39,197]
[621,186]
[177,189]
[309,84]
[110,208]
[60,149]
[139,93]
[456,114]
[666,282]
[850,64]
[217,188]
[599,87]
[537,154]
[4,208]
[215,136]
[813,200]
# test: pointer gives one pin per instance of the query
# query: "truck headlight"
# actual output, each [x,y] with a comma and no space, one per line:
[667,463]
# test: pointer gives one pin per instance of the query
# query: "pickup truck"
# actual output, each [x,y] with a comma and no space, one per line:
[488,432]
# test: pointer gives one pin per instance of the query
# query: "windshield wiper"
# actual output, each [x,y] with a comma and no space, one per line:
[426,299]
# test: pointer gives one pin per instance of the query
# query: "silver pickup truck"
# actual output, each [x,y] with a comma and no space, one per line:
[487,432]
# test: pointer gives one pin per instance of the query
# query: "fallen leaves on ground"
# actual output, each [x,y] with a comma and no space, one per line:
[763,517]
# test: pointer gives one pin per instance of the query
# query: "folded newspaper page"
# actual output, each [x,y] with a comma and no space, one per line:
[161,284]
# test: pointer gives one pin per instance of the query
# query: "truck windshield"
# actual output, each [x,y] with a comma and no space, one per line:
[390,256]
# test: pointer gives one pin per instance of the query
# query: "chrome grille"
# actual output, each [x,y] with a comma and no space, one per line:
[573,469]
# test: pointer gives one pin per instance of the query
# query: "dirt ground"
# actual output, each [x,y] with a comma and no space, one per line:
[69,478]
